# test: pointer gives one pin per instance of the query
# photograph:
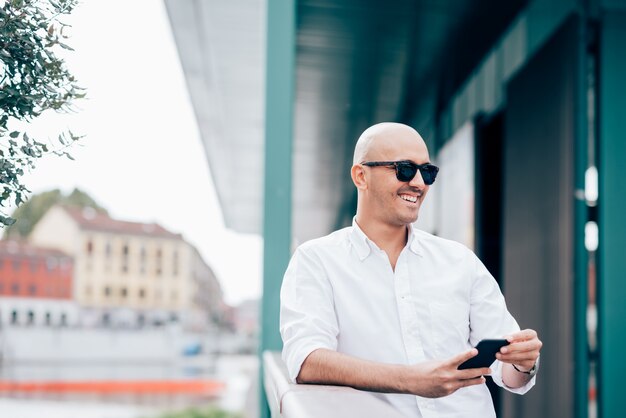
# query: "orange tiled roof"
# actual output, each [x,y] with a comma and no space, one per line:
[93,220]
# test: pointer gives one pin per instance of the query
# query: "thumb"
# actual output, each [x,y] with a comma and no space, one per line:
[464,356]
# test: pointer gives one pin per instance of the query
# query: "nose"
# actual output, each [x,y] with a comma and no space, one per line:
[417,181]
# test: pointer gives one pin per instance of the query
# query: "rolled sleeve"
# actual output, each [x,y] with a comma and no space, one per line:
[490,318]
[307,315]
[496,375]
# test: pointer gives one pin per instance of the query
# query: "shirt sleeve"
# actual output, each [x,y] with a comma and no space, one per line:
[490,318]
[307,314]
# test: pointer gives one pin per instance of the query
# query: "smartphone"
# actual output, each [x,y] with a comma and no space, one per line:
[487,350]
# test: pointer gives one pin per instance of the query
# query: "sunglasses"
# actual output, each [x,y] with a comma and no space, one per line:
[406,170]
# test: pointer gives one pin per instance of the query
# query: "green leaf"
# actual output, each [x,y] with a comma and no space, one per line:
[34,80]
[64,46]
[6,221]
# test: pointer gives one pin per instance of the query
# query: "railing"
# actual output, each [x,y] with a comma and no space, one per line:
[289,400]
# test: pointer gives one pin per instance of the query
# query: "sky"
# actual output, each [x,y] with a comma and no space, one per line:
[142,157]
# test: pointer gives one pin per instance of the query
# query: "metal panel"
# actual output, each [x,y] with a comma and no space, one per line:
[538,263]
[612,204]
[220,45]
[279,109]
[278,155]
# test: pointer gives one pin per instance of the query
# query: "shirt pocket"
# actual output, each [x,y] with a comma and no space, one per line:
[450,327]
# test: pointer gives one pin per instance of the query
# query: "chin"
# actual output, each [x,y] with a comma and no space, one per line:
[407,220]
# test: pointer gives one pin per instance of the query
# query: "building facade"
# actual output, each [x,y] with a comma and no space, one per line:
[35,285]
[131,273]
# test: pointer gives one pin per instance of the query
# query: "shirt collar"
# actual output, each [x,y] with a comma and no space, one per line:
[363,245]
[414,242]
[360,241]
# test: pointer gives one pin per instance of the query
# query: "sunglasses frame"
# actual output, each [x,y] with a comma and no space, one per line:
[396,164]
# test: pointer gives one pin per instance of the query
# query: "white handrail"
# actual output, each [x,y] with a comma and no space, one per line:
[290,400]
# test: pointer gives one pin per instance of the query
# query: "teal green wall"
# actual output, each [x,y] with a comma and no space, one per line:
[484,89]
[279,103]
[612,215]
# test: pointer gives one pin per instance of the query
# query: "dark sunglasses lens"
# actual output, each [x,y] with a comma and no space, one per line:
[406,171]
[429,174]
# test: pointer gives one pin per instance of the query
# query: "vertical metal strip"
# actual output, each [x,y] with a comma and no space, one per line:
[581,359]
[611,220]
[279,115]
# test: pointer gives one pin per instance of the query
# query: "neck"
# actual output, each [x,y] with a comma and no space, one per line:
[387,237]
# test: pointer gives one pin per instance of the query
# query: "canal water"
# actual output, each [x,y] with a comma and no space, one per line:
[239,373]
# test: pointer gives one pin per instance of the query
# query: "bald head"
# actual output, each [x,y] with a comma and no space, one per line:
[380,136]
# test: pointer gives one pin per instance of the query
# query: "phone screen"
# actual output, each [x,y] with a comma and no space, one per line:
[487,350]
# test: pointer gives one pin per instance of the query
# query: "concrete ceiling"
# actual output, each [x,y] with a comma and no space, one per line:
[358,62]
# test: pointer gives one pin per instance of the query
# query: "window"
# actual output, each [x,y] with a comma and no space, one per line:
[142,260]
[33,265]
[16,265]
[107,291]
[159,260]
[142,293]
[32,289]
[31,318]
[175,265]
[48,319]
[63,319]
[14,317]
[124,292]
[51,263]
[89,248]
[107,249]
[15,288]
[125,258]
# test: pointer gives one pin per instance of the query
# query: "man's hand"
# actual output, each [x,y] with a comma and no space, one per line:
[434,379]
[522,351]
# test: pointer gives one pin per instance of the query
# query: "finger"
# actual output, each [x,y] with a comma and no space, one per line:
[473,373]
[471,382]
[523,335]
[460,358]
[515,357]
[521,347]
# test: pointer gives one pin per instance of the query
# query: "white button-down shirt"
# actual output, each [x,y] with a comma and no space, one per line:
[340,293]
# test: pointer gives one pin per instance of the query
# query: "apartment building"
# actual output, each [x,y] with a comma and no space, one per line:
[35,285]
[131,272]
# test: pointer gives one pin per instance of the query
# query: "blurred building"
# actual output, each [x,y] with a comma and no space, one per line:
[245,317]
[521,104]
[131,273]
[35,285]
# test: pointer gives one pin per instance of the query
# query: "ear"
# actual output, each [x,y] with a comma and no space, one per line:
[358,176]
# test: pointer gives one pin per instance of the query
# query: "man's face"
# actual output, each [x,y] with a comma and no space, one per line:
[390,200]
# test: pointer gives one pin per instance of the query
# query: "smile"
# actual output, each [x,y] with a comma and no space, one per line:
[408,198]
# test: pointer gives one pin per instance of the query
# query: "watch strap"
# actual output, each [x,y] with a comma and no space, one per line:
[531,372]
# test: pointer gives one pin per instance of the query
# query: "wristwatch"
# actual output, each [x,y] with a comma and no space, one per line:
[532,371]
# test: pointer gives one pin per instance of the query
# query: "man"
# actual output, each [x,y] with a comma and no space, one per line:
[384,307]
